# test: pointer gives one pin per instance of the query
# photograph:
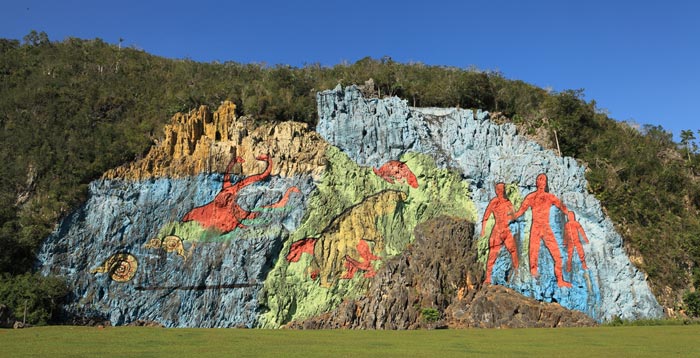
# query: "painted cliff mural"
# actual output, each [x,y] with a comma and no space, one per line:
[224,213]
[502,210]
[228,224]
[545,211]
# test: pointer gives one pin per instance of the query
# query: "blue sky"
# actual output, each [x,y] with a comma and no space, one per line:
[638,59]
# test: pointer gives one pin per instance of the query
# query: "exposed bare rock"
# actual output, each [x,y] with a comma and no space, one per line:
[436,284]
[373,132]
[21,325]
[26,192]
[205,142]
[440,266]
[500,307]
[355,245]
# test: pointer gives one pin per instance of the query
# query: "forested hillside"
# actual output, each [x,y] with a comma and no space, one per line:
[71,110]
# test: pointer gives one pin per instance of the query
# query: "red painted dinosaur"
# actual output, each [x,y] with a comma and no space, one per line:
[284,200]
[395,170]
[224,213]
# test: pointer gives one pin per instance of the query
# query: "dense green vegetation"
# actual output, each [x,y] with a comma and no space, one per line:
[32,297]
[72,109]
[66,341]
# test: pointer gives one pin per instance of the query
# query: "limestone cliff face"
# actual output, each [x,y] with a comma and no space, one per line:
[372,131]
[385,214]
[204,142]
[130,253]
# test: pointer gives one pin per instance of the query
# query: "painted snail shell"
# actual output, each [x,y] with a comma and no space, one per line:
[122,267]
[172,243]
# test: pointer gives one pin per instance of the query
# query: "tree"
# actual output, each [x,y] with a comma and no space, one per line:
[7,45]
[692,303]
[33,298]
[34,38]
[687,139]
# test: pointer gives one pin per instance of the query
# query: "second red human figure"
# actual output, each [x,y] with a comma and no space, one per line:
[572,230]
[502,210]
[541,201]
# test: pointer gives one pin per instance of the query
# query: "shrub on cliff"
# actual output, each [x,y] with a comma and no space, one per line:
[692,303]
[32,297]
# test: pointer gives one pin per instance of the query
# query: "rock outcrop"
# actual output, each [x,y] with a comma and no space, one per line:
[501,307]
[388,217]
[208,278]
[204,142]
[337,216]
[373,131]
[436,283]
[439,267]
[215,286]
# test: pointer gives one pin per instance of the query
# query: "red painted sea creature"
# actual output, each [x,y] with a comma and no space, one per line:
[224,213]
[395,170]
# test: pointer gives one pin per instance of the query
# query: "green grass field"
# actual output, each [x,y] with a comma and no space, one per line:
[67,341]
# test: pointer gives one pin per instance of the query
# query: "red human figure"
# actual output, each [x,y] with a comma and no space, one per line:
[224,213]
[541,201]
[572,229]
[502,210]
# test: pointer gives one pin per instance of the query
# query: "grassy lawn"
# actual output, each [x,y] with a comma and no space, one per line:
[67,341]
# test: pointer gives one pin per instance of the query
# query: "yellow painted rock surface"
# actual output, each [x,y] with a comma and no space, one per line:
[204,142]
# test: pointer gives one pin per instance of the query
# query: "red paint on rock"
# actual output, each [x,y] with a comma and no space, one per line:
[300,247]
[502,210]
[353,265]
[224,213]
[541,201]
[572,229]
[395,170]
[284,200]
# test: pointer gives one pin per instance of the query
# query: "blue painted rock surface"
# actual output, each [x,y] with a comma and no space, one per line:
[215,286]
